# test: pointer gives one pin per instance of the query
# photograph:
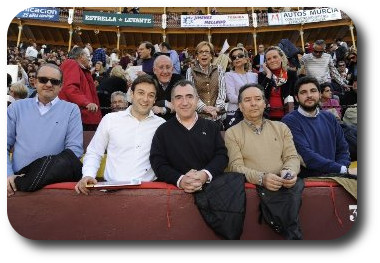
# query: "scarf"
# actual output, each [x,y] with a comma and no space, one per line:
[279,77]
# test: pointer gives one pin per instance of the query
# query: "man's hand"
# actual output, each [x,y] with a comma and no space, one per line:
[11,186]
[212,111]
[193,181]
[288,183]
[272,182]
[80,187]
[92,107]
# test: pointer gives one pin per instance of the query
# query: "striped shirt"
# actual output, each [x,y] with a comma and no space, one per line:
[322,68]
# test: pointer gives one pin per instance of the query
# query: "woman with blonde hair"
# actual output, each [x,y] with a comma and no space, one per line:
[278,83]
[18,91]
[209,82]
[235,79]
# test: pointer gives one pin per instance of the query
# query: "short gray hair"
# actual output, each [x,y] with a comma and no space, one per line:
[76,52]
[119,93]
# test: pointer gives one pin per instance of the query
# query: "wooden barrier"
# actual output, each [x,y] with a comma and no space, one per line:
[158,211]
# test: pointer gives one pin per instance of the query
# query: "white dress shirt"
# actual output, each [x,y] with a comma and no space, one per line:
[127,141]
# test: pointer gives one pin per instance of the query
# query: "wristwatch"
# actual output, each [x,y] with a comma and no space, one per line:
[261,178]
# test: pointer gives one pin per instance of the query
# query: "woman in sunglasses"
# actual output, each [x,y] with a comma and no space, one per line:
[278,83]
[236,78]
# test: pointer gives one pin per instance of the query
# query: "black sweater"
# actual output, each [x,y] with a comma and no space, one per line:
[176,150]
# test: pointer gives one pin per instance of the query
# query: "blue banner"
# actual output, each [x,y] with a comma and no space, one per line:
[40,13]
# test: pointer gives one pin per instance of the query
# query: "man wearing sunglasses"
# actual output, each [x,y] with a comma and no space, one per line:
[320,65]
[41,126]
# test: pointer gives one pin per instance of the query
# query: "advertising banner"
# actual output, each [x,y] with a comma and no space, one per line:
[40,13]
[304,16]
[100,18]
[238,20]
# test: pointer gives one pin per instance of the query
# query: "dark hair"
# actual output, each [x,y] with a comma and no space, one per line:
[324,85]
[183,83]
[150,46]
[9,80]
[145,79]
[166,44]
[320,42]
[246,86]
[305,80]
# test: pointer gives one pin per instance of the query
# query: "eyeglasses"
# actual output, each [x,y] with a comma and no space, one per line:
[318,52]
[236,57]
[45,80]
[204,52]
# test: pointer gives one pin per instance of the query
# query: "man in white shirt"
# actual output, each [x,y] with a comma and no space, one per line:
[31,52]
[127,137]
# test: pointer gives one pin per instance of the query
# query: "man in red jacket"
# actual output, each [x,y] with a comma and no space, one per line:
[79,88]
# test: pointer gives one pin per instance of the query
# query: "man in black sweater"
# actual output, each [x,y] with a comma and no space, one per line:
[187,150]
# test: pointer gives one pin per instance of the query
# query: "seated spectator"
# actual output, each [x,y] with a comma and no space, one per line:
[328,103]
[42,126]
[272,164]
[166,48]
[118,101]
[235,79]
[199,153]
[278,82]
[127,137]
[318,136]
[18,91]
[163,73]
[32,83]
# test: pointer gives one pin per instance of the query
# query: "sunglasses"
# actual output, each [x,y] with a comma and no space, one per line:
[236,57]
[342,65]
[45,80]
[32,76]
[318,52]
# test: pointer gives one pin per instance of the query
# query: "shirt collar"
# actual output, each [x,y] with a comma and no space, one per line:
[192,124]
[253,127]
[54,101]
[127,112]
[306,114]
